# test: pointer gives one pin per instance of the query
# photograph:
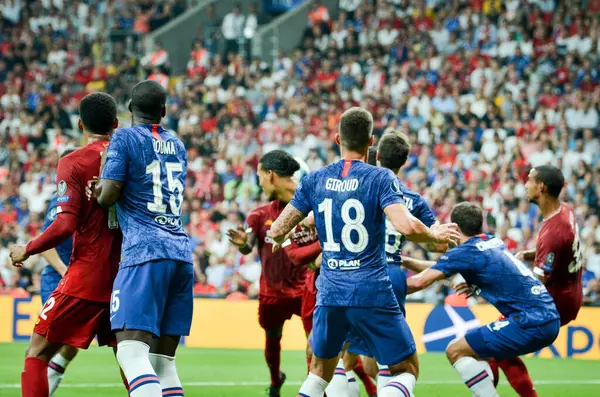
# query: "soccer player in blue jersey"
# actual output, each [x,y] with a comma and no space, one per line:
[531,321]
[392,153]
[349,199]
[152,300]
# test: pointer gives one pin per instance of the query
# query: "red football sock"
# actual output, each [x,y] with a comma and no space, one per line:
[494,366]
[370,386]
[273,357]
[34,379]
[518,377]
[308,362]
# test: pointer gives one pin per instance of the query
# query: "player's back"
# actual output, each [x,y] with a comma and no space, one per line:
[96,248]
[503,280]
[149,209]
[348,198]
[559,257]
[419,208]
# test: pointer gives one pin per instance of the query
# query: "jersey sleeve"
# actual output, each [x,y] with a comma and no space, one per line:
[253,222]
[424,213]
[547,253]
[389,191]
[70,187]
[453,262]
[117,157]
[301,200]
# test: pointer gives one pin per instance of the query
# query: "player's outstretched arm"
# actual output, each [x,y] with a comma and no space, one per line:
[416,265]
[424,279]
[416,231]
[108,191]
[286,221]
[51,256]
[63,226]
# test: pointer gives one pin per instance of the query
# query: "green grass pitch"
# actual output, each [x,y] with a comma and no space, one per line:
[237,373]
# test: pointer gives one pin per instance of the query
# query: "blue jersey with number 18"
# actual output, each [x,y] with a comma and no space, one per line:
[153,165]
[348,199]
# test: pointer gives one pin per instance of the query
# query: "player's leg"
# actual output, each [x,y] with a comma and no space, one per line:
[499,340]
[330,328]
[58,364]
[364,377]
[494,367]
[177,322]
[309,301]
[138,302]
[517,375]
[34,378]
[383,376]
[475,372]
[386,334]
[350,360]
[272,314]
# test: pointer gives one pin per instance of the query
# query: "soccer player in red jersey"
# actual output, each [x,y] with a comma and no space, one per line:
[557,261]
[78,310]
[281,282]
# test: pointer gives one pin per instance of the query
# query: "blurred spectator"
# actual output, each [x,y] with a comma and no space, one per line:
[232,29]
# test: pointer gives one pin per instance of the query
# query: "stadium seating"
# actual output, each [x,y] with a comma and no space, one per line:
[485,89]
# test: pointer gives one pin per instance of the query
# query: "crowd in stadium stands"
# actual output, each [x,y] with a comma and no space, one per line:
[484,89]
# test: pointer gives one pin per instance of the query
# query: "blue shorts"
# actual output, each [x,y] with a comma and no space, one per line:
[507,339]
[384,332]
[398,278]
[156,297]
[48,283]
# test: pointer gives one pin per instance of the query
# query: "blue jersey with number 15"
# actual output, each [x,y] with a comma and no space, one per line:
[153,165]
[348,199]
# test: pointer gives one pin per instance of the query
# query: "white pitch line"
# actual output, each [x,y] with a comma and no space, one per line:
[292,383]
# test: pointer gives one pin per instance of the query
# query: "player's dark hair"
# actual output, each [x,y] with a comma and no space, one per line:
[67,152]
[356,128]
[372,156]
[468,217]
[552,177]
[393,150]
[98,112]
[280,162]
[148,98]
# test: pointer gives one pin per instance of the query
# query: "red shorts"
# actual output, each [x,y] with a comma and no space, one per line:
[74,321]
[274,311]
[309,301]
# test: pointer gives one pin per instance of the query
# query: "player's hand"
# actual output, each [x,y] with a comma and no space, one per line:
[238,237]
[520,256]
[446,233]
[18,254]
[90,189]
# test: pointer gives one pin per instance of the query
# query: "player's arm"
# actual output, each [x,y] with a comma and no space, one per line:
[528,256]
[51,256]
[415,230]
[416,265]
[548,250]
[424,279]
[113,171]
[287,220]
[301,256]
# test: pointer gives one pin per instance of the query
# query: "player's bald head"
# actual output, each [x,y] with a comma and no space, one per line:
[148,98]
[356,129]
[468,217]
